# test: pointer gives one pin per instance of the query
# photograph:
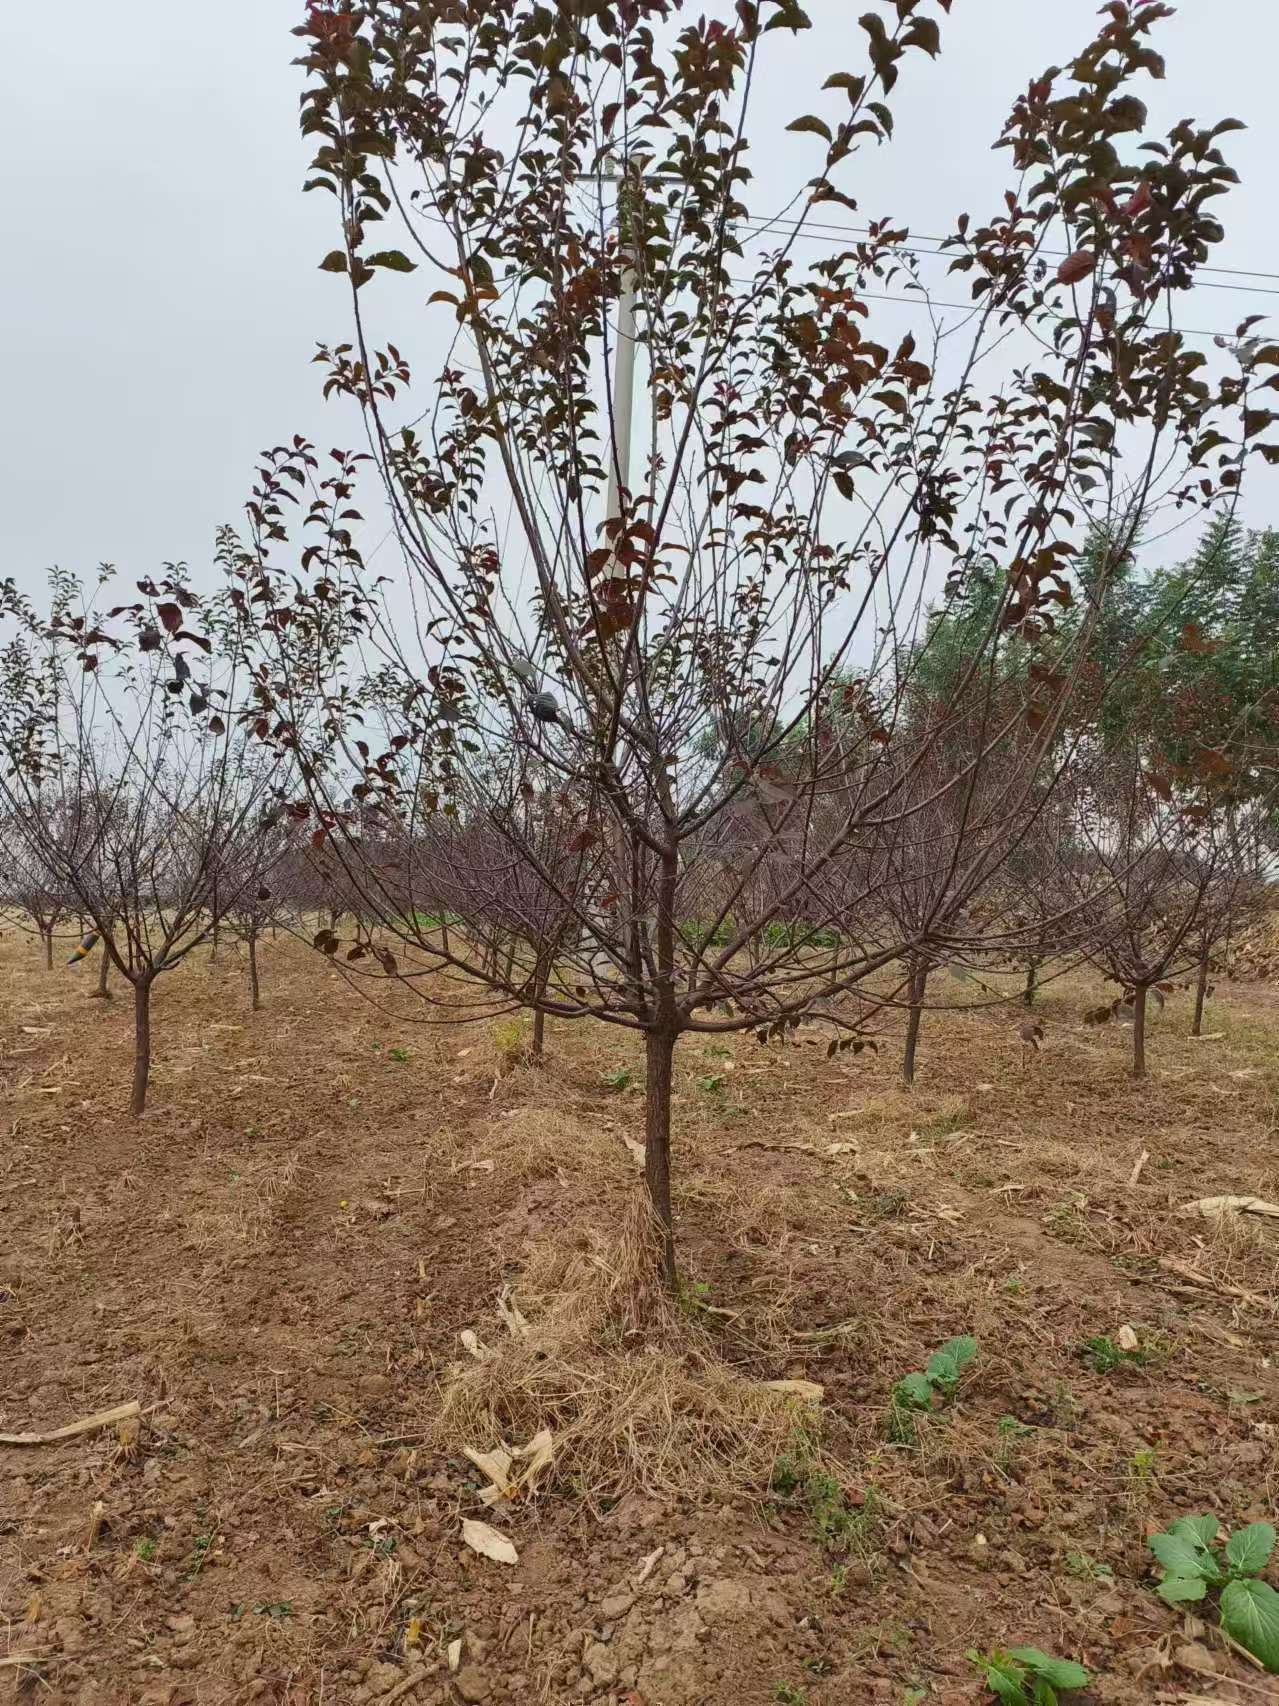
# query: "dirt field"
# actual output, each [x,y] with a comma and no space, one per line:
[277,1262]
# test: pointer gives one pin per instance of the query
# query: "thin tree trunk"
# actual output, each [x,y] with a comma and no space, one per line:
[1139,1031]
[1201,990]
[541,977]
[141,1045]
[48,948]
[102,993]
[253,971]
[918,982]
[1032,978]
[660,1055]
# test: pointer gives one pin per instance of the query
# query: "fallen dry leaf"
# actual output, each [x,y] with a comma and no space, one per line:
[514,1322]
[808,1390]
[497,1466]
[488,1542]
[536,1456]
[512,1470]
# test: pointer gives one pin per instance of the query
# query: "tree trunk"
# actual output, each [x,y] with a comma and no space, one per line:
[918,982]
[1201,990]
[1139,1031]
[141,1045]
[1032,977]
[539,1037]
[660,1055]
[254,987]
[48,948]
[102,993]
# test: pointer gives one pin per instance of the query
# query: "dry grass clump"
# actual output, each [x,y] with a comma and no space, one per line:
[1240,1250]
[633,1389]
[542,1141]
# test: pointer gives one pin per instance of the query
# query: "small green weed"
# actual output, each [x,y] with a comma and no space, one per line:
[201,1546]
[144,1549]
[712,1083]
[620,1078]
[839,1526]
[1027,1676]
[916,1392]
[1239,1399]
[397,1053]
[693,1296]
[1067,1220]
[274,1608]
[790,1694]
[1141,1467]
[1104,1356]
[1193,1563]
[510,1039]
[887,1205]
[945,1123]
[1064,1405]
[1086,1569]
[1010,1434]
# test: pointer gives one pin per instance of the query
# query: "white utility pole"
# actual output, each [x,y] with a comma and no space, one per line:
[619,467]
[623,398]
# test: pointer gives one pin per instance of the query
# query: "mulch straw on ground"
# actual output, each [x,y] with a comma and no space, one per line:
[634,1391]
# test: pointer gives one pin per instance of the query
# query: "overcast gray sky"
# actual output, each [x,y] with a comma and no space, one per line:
[161,300]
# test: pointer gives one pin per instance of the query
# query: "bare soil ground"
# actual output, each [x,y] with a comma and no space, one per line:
[277,1261]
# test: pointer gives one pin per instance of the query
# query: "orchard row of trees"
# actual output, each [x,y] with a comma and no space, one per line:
[830,671]
[135,810]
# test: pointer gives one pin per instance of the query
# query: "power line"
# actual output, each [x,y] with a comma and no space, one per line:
[923,301]
[811,227]
[932,302]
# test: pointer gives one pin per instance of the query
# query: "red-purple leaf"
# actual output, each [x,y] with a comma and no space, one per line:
[1076,266]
